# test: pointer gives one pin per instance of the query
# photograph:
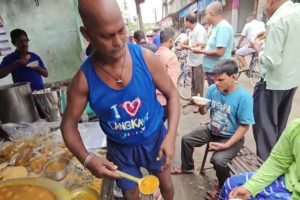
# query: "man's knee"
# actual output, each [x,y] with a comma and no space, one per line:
[167,187]
[131,194]
[186,140]
[219,161]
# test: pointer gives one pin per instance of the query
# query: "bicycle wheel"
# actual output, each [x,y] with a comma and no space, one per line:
[184,85]
[255,74]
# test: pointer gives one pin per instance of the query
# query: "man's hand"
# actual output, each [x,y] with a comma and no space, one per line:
[261,36]
[255,46]
[218,146]
[240,192]
[167,149]
[238,46]
[101,167]
[24,60]
[197,50]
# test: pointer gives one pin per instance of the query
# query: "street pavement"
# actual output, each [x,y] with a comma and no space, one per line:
[194,186]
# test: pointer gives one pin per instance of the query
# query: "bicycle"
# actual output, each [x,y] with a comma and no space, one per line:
[184,81]
[253,72]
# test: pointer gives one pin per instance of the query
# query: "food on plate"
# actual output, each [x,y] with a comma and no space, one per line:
[56,166]
[25,192]
[200,100]
[13,172]
[33,64]
[37,163]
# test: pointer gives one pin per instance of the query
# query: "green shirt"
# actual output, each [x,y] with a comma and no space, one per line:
[280,61]
[284,160]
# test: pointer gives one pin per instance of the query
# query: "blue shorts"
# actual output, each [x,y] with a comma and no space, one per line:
[129,159]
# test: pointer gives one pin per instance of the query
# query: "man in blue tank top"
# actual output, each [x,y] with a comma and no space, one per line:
[119,81]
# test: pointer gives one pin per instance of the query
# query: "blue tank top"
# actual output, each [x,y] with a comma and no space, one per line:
[129,115]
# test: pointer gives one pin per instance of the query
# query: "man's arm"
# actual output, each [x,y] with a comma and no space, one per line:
[272,54]
[237,136]
[164,84]
[222,39]
[202,109]
[218,52]
[5,69]
[41,71]
[77,100]
[280,160]
[240,42]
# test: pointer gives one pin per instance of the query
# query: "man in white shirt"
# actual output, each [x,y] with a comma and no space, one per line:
[250,31]
[197,37]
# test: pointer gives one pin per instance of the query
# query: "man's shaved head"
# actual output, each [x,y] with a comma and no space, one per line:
[215,8]
[99,12]
[103,27]
[213,12]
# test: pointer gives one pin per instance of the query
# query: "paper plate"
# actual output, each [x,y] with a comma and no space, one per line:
[33,64]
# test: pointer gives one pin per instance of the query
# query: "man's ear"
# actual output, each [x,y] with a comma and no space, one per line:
[234,76]
[85,33]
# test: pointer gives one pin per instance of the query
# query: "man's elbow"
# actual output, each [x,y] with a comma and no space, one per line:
[246,127]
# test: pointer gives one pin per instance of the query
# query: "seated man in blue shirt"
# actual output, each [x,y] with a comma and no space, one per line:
[231,114]
[17,62]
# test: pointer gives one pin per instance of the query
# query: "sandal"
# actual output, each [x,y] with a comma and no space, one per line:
[212,194]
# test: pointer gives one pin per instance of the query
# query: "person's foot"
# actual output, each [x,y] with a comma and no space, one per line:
[179,170]
[213,193]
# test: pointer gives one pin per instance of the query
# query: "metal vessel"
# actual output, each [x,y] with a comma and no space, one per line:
[51,102]
[17,104]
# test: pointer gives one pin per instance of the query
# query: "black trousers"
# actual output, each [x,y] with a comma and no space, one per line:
[271,112]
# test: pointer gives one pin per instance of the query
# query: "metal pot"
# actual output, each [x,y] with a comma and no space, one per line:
[52,102]
[16,104]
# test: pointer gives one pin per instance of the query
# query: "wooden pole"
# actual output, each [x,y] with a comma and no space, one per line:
[138,11]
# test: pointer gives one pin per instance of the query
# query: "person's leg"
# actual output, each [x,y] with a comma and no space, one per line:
[147,157]
[241,61]
[193,88]
[266,114]
[166,184]
[220,159]
[242,53]
[233,182]
[276,190]
[199,80]
[285,109]
[196,138]
[132,194]
[123,157]
[210,78]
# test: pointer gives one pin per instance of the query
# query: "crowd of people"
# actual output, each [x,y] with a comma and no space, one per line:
[131,86]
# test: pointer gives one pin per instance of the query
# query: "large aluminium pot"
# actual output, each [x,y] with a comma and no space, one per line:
[17,104]
[52,102]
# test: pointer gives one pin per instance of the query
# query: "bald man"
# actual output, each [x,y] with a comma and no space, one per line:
[220,43]
[119,81]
